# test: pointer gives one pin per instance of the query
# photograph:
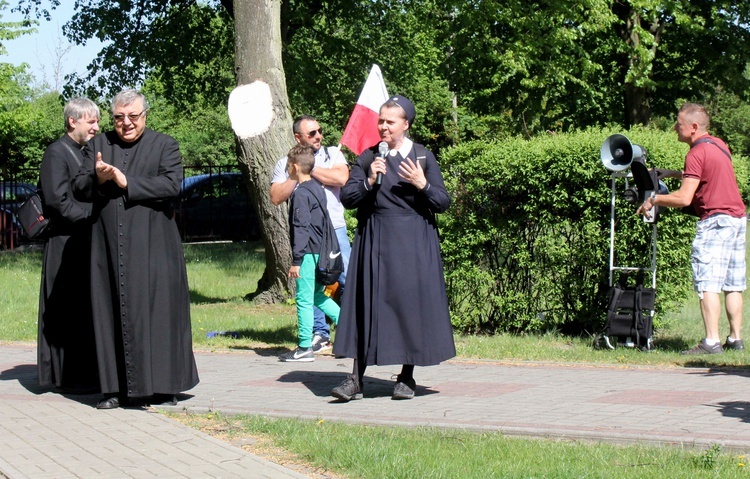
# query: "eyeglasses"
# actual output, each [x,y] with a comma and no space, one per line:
[315,132]
[133,117]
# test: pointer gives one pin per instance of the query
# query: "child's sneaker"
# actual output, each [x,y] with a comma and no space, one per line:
[298,355]
[321,343]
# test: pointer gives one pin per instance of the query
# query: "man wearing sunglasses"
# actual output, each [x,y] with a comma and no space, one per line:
[332,171]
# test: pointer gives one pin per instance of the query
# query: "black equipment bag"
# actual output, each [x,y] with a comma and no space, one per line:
[35,223]
[31,215]
[629,315]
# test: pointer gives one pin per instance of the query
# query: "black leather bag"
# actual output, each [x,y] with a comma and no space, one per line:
[32,218]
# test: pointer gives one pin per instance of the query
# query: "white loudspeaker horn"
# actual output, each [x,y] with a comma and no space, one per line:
[618,153]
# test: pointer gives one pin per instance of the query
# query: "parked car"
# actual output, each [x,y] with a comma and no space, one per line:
[215,207]
[12,196]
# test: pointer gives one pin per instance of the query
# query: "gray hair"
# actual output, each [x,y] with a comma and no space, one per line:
[127,97]
[78,108]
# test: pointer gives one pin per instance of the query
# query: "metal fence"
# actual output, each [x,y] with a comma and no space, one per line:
[214,204]
[15,188]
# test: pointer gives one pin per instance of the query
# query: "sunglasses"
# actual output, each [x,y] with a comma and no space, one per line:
[133,117]
[315,132]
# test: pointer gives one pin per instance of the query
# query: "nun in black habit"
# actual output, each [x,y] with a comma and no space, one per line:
[395,309]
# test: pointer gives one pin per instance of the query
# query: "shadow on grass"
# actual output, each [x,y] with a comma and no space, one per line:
[723,363]
[320,383]
[718,364]
[673,344]
[279,336]
[275,339]
[197,298]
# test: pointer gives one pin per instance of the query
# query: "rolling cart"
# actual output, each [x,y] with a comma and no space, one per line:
[630,306]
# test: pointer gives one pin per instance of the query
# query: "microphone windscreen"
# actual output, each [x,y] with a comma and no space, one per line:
[383,148]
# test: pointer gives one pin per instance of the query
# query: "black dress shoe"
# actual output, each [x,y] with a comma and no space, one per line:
[109,403]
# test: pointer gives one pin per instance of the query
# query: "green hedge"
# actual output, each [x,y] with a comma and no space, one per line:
[526,241]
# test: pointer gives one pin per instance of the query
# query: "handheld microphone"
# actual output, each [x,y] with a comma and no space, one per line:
[382,151]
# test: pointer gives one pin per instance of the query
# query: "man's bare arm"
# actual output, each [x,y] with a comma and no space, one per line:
[677,199]
[280,192]
[682,197]
[337,175]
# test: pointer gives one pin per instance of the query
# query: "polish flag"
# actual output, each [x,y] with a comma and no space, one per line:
[362,130]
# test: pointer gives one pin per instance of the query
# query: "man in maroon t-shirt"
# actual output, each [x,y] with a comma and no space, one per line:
[709,185]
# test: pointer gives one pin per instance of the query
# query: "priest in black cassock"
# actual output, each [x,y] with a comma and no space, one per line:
[66,352]
[395,308]
[140,295]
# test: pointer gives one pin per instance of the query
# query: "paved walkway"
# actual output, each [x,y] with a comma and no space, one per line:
[46,435]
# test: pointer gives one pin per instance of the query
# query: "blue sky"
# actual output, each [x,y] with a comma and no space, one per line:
[39,49]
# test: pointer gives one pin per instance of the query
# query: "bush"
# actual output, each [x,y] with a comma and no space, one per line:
[526,242]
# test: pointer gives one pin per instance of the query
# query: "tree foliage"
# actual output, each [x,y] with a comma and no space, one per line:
[12,30]
[29,121]
[476,69]
[530,61]
[513,66]
[329,53]
[187,43]
[703,49]
[571,64]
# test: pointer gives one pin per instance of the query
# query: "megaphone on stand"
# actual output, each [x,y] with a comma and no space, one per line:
[618,153]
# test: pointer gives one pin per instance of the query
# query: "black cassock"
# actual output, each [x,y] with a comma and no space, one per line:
[66,353]
[140,294]
[395,309]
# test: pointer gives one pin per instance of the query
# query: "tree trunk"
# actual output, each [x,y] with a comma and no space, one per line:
[637,106]
[637,63]
[258,62]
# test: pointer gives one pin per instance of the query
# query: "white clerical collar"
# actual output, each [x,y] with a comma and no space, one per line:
[405,148]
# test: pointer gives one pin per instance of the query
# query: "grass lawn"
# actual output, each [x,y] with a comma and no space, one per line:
[220,275]
[334,450]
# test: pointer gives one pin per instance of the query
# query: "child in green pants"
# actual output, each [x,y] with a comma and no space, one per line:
[307,223]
